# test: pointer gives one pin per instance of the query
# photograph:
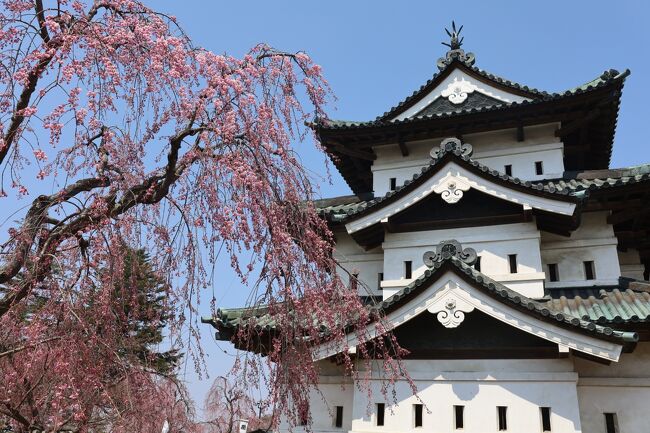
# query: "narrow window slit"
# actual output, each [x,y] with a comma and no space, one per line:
[459,417]
[354,281]
[512,262]
[503,418]
[539,167]
[590,273]
[508,169]
[546,418]
[338,421]
[381,409]
[408,269]
[611,423]
[417,408]
[303,415]
[393,183]
[553,274]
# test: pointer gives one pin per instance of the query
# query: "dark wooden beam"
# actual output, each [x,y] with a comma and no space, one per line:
[403,148]
[627,215]
[520,133]
[577,124]
[368,156]
[433,224]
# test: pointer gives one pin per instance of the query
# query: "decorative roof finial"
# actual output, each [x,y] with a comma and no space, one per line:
[455,52]
[448,249]
[455,43]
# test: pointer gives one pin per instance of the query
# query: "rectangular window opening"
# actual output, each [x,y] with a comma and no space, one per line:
[354,281]
[380,278]
[553,274]
[546,418]
[477,264]
[539,167]
[512,262]
[458,417]
[508,169]
[338,421]
[611,423]
[590,273]
[381,409]
[503,419]
[408,269]
[417,412]
[393,183]
[303,415]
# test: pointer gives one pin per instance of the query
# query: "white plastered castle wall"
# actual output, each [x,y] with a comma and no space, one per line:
[577,390]
[479,385]
[368,264]
[593,241]
[622,388]
[334,389]
[631,265]
[494,149]
[493,246]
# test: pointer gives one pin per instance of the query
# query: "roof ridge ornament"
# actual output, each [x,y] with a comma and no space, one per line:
[448,249]
[455,52]
[452,144]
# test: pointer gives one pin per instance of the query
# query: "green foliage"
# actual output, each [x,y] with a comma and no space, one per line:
[140,303]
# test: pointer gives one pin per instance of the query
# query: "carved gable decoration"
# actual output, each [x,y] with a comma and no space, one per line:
[448,249]
[452,144]
[450,311]
[451,189]
[458,90]
[474,100]
[456,292]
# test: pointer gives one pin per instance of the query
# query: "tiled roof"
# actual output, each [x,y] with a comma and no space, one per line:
[430,84]
[339,209]
[605,79]
[473,100]
[345,210]
[602,179]
[543,310]
[604,305]
[232,318]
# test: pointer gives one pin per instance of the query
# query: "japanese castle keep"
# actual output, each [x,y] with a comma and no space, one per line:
[510,259]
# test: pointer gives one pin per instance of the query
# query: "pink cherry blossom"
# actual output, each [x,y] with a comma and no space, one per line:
[144,140]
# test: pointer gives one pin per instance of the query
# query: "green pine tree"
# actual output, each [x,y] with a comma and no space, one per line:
[145,317]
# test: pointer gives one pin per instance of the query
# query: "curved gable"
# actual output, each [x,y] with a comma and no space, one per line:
[491,85]
[452,290]
[456,90]
[451,176]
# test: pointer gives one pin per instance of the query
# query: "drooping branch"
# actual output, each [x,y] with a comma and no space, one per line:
[121,78]
[152,190]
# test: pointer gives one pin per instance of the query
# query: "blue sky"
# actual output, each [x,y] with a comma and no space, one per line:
[375,53]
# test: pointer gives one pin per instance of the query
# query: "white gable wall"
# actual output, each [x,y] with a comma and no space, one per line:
[622,388]
[631,265]
[577,390]
[492,244]
[353,258]
[458,78]
[494,149]
[523,386]
[593,241]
